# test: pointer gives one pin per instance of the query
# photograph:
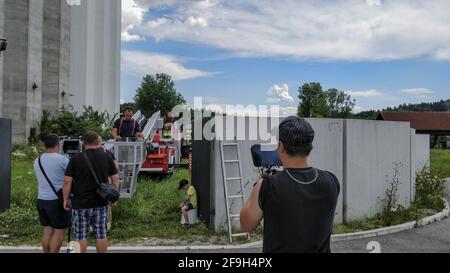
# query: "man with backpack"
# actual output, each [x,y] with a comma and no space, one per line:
[49,169]
[85,174]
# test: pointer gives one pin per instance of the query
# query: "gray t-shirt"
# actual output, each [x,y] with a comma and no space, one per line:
[54,166]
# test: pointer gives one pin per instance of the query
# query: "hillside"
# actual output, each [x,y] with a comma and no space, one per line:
[440,106]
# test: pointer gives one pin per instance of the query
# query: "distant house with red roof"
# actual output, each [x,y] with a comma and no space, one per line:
[433,123]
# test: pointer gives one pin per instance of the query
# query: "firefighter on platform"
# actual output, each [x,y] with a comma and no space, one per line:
[126,127]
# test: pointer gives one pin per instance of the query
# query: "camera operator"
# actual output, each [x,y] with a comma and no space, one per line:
[297,204]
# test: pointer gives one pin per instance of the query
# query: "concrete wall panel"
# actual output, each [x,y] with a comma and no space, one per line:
[95,55]
[373,148]
[420,157]
[327,155]
[34,78]
[422,152]
[15,66]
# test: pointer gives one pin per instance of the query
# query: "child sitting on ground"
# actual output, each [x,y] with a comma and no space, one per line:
[190,201]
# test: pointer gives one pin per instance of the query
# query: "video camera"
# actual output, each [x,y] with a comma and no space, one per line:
[265,157]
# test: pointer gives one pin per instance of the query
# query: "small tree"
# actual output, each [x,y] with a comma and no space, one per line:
[157,93]
[340,104]
[313,101]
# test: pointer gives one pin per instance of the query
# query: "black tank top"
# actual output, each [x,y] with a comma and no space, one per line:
[298,218]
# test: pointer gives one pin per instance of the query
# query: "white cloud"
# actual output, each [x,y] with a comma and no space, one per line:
[142,63]
[132,16]
[279,93]
[417,91]
[127,37]
[368,30]
[365,93]
[196,21]
[122,101]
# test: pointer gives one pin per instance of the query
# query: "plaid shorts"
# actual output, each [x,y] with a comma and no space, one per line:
[82,219]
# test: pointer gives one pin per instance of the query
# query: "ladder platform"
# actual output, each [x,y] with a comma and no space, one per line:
[235,158]
[234,178]
[231,161]
[235,196]
[239,234]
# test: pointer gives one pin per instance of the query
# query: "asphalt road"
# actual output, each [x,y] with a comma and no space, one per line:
[431,238]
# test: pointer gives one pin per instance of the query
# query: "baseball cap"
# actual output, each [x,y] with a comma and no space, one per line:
[296,131]
[183,183]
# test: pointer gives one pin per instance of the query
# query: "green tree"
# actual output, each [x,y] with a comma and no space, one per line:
[340,104]
[157,93]
[313,101]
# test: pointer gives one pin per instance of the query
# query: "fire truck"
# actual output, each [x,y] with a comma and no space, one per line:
[158,152]
[164,150]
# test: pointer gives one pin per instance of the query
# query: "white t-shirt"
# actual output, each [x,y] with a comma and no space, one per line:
[54,166]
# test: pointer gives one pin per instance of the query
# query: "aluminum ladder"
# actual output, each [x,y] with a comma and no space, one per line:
[226,179]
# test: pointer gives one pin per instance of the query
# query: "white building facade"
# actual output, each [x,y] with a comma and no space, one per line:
[95,55]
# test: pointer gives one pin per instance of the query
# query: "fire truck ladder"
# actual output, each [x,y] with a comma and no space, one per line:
[131,154]
[233,161]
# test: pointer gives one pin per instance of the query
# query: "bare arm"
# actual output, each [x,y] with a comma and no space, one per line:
[251,213]
[67,187]
[114,133]
[115,181]
[139,135]
[116,163]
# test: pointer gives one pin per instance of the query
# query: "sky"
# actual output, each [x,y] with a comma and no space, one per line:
[381,52]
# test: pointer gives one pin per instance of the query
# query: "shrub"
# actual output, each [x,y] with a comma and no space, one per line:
[66,123]
[430,190]
[24,151]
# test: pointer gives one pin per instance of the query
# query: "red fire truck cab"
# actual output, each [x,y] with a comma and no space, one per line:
[162,155]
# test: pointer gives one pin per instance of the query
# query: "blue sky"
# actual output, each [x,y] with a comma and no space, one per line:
[383,53]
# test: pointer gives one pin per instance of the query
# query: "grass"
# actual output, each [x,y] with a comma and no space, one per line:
[21,222]
[440,162]
[152,216]
[154,212]
[401,216]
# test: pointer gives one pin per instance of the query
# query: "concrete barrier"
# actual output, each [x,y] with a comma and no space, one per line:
[365,156]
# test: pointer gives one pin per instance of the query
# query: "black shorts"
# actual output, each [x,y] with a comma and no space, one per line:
[52,213]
